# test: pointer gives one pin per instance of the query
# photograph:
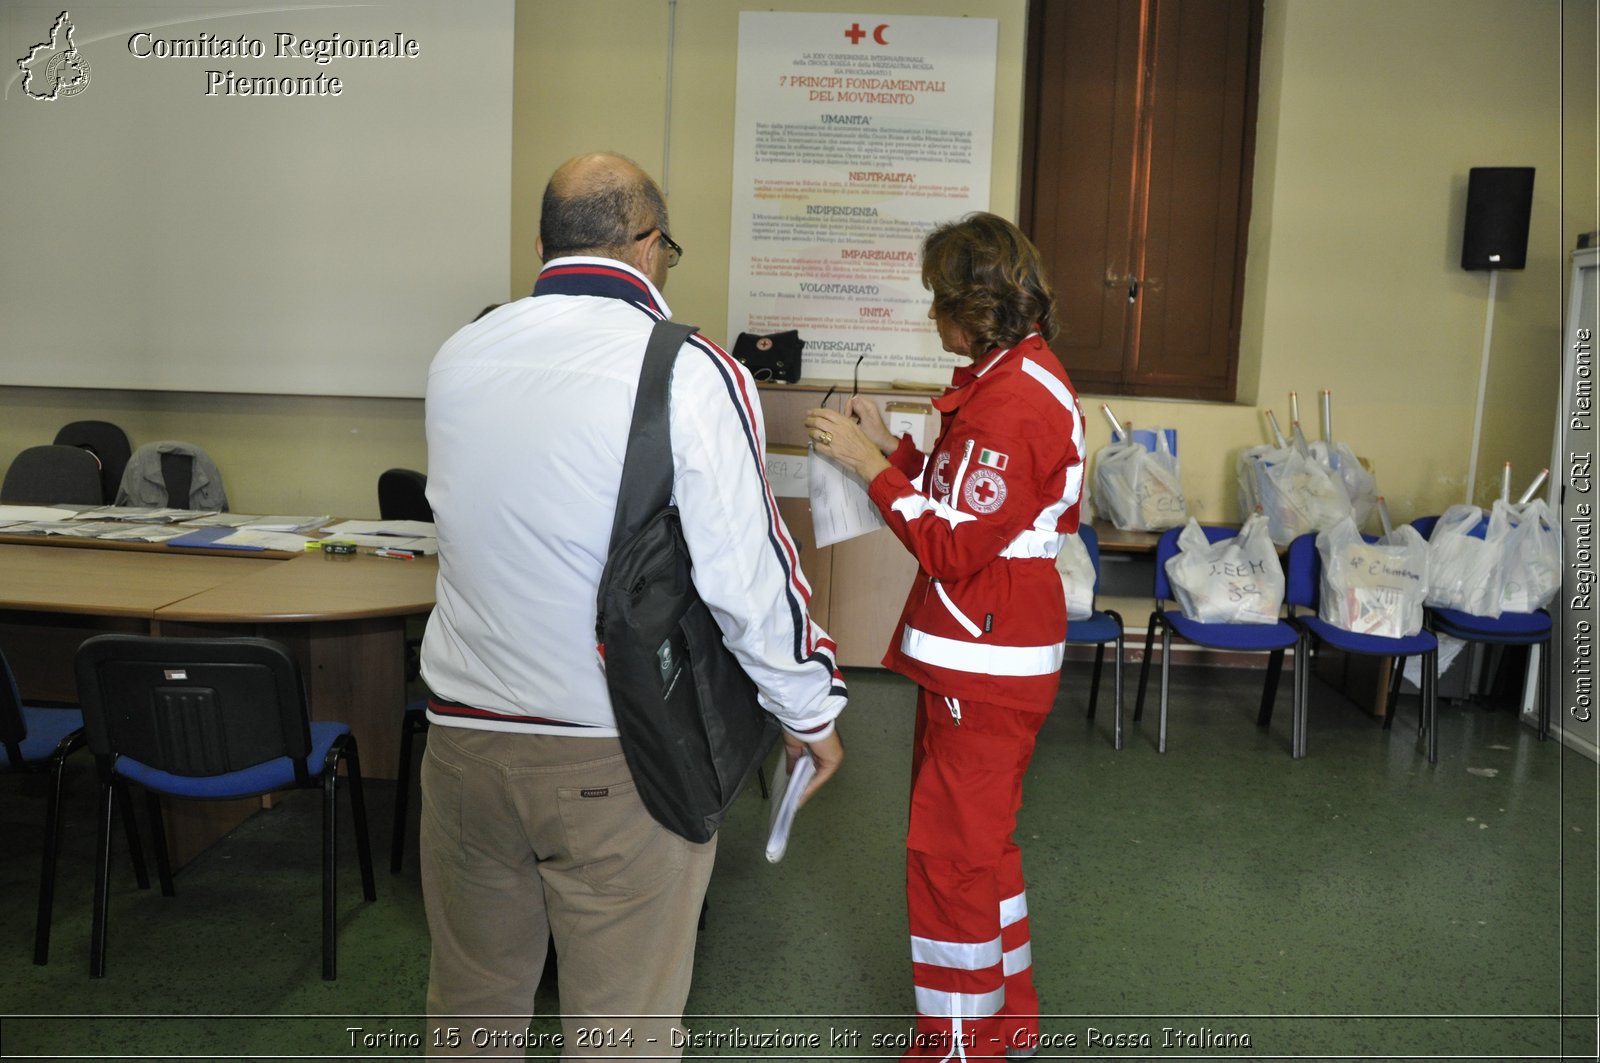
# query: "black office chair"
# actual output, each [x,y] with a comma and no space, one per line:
[38,738]
[211,719]
[413,722]
[52,474]
[109,445]
[402,495]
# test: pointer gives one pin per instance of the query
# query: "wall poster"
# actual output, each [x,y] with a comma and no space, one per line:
[854,136]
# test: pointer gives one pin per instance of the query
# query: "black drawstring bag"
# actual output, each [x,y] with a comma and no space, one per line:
[774,357]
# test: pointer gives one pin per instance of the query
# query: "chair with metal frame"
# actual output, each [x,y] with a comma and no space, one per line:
[1304,591]
[1273,639]
[1101,627]
[1533,629]
[402,495]
[38,738]
[211,719]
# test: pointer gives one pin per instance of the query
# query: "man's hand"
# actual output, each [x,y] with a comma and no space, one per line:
[827,753]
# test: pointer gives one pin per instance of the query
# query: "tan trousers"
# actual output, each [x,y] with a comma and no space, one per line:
[530,836]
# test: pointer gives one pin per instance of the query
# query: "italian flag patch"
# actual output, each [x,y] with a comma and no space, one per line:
[993,458]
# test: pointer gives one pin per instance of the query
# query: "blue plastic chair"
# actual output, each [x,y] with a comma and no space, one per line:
[1507,629]
[36,738]
[1251,638]
[1304,591]
[1101,627]
[211,719]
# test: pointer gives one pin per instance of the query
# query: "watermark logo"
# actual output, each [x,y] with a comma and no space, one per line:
[55,69]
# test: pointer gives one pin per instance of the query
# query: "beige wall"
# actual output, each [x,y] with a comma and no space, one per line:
[1372,111]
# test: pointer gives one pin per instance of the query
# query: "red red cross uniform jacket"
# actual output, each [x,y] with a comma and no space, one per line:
[983,514]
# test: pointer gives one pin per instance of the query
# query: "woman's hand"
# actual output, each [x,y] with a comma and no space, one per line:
[837,436]
[865,413]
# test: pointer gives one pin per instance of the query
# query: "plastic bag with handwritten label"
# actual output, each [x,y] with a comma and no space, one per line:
[1139,489]
[1373,588]
[1236,581]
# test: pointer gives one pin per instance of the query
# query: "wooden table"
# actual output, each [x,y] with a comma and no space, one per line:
[344,618]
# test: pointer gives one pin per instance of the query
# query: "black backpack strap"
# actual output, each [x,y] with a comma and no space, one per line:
[647,466]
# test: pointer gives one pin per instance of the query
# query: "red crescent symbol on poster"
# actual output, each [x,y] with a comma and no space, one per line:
[877,33]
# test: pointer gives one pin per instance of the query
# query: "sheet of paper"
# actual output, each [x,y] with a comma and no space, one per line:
[144,533]
[253,539]
[785,801]
[286,523]
[786,470]
[222,520]
[407,529]
[840,508]
[32,513]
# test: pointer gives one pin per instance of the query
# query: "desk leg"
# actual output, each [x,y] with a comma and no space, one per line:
[355,672]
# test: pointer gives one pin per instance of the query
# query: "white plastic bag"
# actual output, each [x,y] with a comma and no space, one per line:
[1373,588]
[1077,577]
[1298,494]
[1360,486]
[1532,573]
[1245,473]
[1236,581]
[1465,572]
[1139,490]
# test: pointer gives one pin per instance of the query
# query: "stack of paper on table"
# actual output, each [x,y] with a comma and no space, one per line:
[144,533]
[285,524]
[13,515]
[240,539]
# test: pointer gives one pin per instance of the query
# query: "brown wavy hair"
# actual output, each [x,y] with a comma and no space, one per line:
[988,279]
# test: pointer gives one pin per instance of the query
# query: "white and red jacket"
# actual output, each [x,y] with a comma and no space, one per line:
[528,411]
[984,514]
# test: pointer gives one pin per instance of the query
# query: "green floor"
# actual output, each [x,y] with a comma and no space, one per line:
[1218,901]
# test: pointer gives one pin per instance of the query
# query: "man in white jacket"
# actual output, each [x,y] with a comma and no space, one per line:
[531,823]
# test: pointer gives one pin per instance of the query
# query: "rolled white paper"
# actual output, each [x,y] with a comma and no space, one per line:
[1299,438]
[1538,481]
[1277,433]
[1116,425]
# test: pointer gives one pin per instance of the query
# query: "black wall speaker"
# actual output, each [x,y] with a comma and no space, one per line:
[1499,201]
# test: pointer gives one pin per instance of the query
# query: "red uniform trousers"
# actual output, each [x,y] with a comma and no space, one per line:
[971,964]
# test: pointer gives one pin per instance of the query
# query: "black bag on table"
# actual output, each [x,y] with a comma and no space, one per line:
[774,357]
[691,728]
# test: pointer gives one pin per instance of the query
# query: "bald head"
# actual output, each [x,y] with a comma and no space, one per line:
[595,204]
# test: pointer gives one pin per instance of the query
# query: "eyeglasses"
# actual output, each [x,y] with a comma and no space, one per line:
[674,252]
[855,383]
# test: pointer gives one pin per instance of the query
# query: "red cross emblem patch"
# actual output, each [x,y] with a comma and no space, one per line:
[939,479]
[985,490]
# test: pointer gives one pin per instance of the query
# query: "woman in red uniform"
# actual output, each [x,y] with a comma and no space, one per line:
[983,627]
